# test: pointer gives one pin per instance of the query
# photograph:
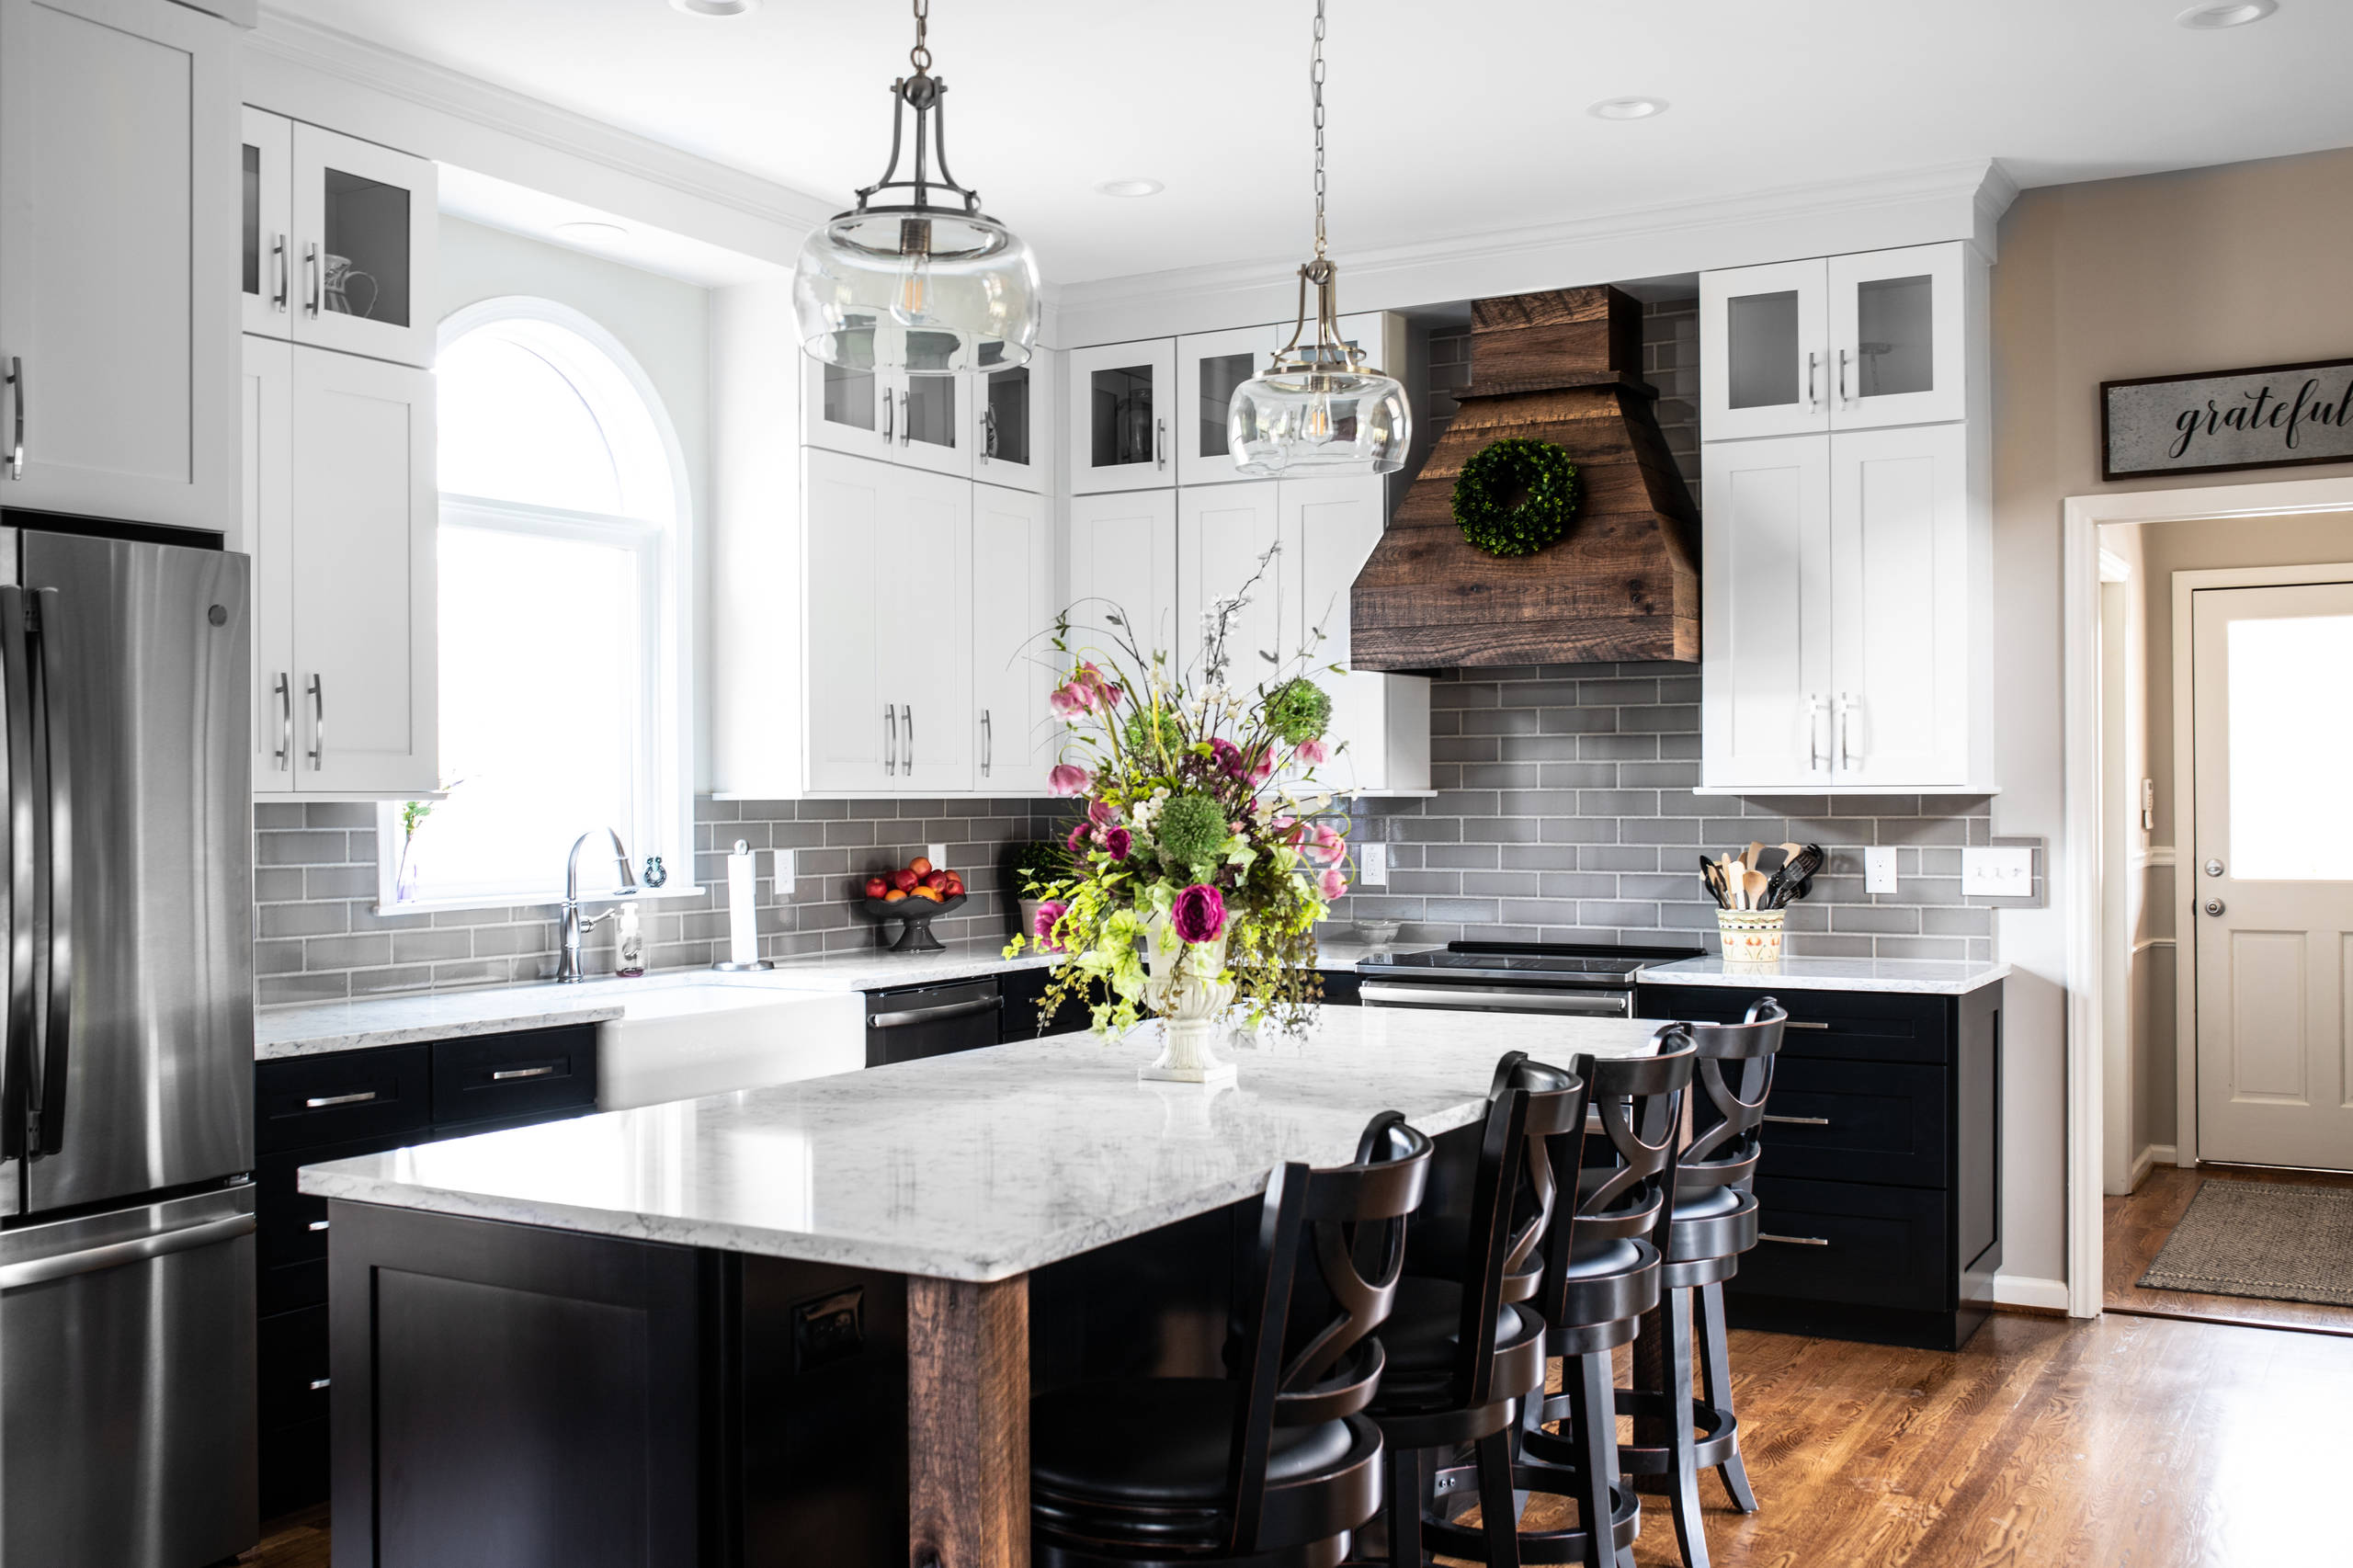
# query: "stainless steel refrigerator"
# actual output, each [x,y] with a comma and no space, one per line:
[126,1418]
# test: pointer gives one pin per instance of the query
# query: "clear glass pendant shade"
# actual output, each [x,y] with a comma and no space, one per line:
[1319,421]
[896,290]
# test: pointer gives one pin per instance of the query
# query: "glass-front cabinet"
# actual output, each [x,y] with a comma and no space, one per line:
[1211,367]
[1846,343]
[337,240]
[1009,408]
[1121,416]
[917,420]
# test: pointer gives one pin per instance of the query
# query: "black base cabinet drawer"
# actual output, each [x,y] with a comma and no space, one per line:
[309,1102]
[294,1467]
[1849,1026]
[1855,1121]
[293,1368]
[496,1077]
[1834,1240]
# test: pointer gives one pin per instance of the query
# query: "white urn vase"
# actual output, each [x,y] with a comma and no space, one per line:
[1183,987]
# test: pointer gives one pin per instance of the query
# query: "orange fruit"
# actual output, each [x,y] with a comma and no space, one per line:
[895,895]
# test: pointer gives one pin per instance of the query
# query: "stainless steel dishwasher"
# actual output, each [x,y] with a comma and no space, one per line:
[906,1023]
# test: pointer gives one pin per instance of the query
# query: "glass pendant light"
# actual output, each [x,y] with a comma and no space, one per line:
[1319,408]
[917,277]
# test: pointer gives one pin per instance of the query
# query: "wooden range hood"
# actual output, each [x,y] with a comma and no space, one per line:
[1562,367]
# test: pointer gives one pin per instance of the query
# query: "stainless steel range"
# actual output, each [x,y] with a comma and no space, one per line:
[1514,977]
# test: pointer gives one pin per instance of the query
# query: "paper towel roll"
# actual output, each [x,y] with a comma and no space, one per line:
[743,924]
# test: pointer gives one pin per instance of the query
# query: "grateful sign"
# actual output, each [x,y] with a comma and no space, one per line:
[2272,416]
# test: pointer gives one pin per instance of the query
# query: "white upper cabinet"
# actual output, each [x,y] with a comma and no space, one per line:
[1765,584]
[1123,561]
[267,533]
[1380,734]
[915,421]
[267,240]
[925,625]
[1223,534]
[1123,402]
[1012,414]
[118,260]
[1210,366]
[1012,658]
[1846,343]
[337,245]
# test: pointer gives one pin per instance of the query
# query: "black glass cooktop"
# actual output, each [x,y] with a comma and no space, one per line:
[1529,963]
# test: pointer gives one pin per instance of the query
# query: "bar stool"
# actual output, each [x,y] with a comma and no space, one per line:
[1597,1280]
[1461,1351]
[1714,1220]
[1274,1465]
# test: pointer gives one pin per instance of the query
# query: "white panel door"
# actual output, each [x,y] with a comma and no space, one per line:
[364,234]
[1012,414]
[1013,655]
[1123,563]
[853,741]
[1764,351]
[2273,868]
[1765,584]
[1897,350]
[118,202]
[266,532]
[926,616]
[361,578]
[1122,413]
[1224,533]
[1329,527]
[1899,594]
[934,423]
[266,231]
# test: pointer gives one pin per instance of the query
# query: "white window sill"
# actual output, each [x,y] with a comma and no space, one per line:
[530,898]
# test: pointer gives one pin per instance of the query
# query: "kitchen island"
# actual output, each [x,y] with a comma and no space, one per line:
[801,1318]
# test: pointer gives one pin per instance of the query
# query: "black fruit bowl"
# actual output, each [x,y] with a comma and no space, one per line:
[918,913]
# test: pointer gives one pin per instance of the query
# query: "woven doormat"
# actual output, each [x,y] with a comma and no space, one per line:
[2272,1239]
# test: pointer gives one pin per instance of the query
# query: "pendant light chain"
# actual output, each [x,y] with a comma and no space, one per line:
[920,55]
[1315,80]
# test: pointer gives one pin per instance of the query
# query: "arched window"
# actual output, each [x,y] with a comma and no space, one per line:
[564,511]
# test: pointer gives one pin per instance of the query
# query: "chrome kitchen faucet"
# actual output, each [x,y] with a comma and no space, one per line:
[567,971]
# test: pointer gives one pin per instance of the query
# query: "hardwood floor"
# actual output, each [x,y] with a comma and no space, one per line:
[2150,1442]
[2136,1229]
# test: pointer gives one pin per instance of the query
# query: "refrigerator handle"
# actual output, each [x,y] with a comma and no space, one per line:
[114,1255]
[57,1021]
[15,921]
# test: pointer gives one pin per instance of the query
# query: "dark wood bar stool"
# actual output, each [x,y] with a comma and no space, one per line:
[1597,1280]
[1274,1465]
[1714,1220]
[1462,1349]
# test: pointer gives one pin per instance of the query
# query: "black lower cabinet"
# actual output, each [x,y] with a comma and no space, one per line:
[1879,1192]
[311,1110]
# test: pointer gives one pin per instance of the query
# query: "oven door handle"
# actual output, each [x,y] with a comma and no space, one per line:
[909,1016]
[1586,1003]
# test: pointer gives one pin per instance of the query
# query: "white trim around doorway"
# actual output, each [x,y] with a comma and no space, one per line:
[2079,603]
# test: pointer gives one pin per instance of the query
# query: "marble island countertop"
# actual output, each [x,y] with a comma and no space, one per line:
[1920,977]
[979,1165]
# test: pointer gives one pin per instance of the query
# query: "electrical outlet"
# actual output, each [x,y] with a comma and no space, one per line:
[1997,871]
[1373,865]
[1878,871]
[938,854]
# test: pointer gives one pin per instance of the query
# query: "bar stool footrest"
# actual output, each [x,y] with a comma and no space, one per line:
[1719,1438]
[1443,1537]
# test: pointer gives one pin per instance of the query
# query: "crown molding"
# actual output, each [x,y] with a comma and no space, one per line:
[284,39]
[1923,206]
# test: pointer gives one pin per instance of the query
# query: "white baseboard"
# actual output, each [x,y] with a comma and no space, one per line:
[2025,1290]
[2148,1159]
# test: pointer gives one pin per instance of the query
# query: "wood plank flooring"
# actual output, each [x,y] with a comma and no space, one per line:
[2044,1443]
[2136,1231]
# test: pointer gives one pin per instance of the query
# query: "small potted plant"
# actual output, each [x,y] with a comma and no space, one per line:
[1027,868]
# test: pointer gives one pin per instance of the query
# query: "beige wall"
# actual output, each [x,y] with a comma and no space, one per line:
[2244,265]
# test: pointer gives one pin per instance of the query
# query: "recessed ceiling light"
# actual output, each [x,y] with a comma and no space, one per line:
[2228,14]
[715,8]
[1131,187]
[591,231]
[1626,108]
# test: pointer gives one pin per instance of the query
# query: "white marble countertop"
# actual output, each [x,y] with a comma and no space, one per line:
[979,1165]
[1926,977]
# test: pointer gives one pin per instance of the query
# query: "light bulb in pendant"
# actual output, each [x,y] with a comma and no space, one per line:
[911,300]
[1318,427]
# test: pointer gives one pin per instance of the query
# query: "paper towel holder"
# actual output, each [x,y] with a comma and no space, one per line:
[729,966]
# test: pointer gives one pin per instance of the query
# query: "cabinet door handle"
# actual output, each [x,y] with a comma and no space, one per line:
[318,1225]
[16,442]
[988,742]
[1794,1241]
[318,752]
[890,741]
[906,419]
[890,423]
[1160,443]
[1800,1121]
[311,279]
[1812,360]
[1813,707]
[284,757]
[1842,377]
[321,1102]
[285,283]
[988,433]
[504,1073]
[907,722]
[1847,705]
[320,1385]
[1801,1024]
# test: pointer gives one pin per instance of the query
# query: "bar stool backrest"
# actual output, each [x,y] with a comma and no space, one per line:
[1529,1108]
[1638,1100]
[1735,1075]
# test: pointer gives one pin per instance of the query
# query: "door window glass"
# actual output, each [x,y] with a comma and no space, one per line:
[1121,416]
[2291,807]
[367,255]
[931,410]
[1220,376]
[1894,339]
[1761,348]
[1008,416]
[253,220]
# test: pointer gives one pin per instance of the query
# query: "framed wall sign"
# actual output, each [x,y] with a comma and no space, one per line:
[2270,416]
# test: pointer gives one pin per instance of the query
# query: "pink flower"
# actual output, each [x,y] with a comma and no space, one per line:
[1262,767]
[1334,884]
[1070,701]
[1314,753]
[1101,814]
[1049,912]
[1326,846]
[1118,842]
[1078,836]
[1068,778]
[1198,913]
[1227,756]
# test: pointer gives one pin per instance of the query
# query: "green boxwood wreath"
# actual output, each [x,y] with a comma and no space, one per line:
[1514,496]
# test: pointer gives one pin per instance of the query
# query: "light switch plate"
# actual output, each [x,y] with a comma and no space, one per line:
[1879,869]
[1997,871]
[1373,865]
[938,854]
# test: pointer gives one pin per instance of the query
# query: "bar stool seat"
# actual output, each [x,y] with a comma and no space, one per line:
[1424,1339]
[1169,1440]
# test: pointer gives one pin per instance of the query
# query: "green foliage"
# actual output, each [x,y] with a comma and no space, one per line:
[1191,829]
[1514,496]
[1299,710]
[1155,733]
[1032,865]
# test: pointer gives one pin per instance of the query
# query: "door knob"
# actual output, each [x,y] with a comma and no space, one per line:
[2213,906]
[2213,868]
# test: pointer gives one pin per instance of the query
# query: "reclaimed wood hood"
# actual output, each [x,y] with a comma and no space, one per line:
[1623,584]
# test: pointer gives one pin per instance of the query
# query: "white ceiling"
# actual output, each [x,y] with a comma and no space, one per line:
[1447,116]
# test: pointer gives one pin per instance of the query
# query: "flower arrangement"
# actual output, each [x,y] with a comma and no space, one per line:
[1198,847]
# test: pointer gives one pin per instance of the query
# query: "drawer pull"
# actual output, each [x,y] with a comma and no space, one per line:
[1800,1121]
[317,1225]
[1794,1241]
[1801,1024]
[321,1102]
[504,1073]
[319,1383]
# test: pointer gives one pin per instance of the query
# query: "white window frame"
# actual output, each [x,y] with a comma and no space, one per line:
[664,723]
